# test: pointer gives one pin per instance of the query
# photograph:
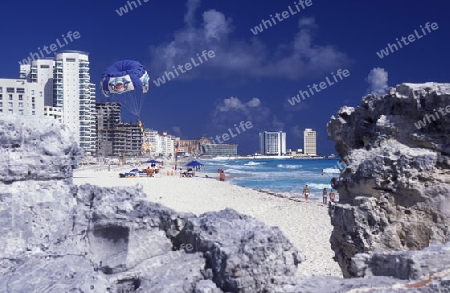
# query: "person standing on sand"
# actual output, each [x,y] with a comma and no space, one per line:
[306,192]
[325,195]
[222,176]
[332,195]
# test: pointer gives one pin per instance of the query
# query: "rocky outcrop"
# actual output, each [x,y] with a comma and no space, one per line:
[395,188]
[57,237]
[407,271]
[40,151]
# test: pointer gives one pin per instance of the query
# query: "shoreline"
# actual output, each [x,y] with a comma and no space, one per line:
[219,158]
[212,175]
[306,224]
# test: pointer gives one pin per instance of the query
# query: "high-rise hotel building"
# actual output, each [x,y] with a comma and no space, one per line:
[62,86]
[75,94]
[309,142]
[272,143]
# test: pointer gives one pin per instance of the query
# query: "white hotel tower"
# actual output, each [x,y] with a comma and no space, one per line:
[68,94]
[75,94]
[272,143]
[309,142]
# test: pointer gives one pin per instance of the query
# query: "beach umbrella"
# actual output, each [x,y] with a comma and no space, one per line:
[134,170]
[194,164]
[152,162]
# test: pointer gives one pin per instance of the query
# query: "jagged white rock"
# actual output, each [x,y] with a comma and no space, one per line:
[395,189]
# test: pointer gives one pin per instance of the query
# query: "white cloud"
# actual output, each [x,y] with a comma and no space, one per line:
[234,103]
[215,25]
[230,111]
[378,81]
[192,6]
[255,102]
[248,57]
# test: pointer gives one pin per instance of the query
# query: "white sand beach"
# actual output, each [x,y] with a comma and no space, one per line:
[307,225]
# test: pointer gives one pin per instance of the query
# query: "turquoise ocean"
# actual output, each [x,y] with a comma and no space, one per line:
[285,175]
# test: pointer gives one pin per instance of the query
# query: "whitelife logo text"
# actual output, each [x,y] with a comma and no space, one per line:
[411,38]
[53,47]
[124,9]
[184,68]
[322,85]
[285,14]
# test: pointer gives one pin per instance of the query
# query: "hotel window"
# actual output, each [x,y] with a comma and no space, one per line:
[1,104]
[32,99]
[32,92]
[1,90]
[45,66]
[10,111]
[20,105]
[20,97]
[10,104]
[33,113]
[10,97]
[70,59]
[10,90]
[40,94]
[33,106]
[20,111]
[20,90]
[1,96]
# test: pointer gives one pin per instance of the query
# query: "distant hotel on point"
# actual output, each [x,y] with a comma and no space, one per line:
[273,143]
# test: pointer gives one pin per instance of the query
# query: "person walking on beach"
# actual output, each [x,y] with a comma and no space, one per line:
[222,176]
[306,192]
[325,195]
[332,195]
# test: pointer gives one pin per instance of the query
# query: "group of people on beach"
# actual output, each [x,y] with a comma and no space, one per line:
[306,193]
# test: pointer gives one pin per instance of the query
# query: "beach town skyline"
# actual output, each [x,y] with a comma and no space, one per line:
[111,182]
[252,77]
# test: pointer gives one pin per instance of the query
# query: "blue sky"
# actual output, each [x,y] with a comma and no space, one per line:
[251,76]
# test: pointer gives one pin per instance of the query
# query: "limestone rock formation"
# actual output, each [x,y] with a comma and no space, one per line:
[57,237]
[395,188]
[43,150]
[406,271]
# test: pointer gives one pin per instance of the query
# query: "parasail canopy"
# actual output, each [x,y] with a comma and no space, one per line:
[127,81]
